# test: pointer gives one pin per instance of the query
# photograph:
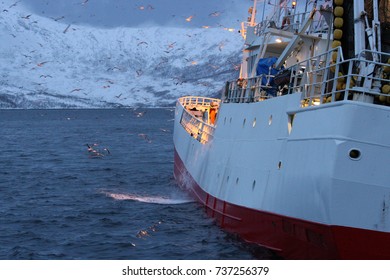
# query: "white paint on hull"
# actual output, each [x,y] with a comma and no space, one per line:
[308,174]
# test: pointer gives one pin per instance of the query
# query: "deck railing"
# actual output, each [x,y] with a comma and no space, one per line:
[195,126]
[321,79]
[197,101]
[292,22]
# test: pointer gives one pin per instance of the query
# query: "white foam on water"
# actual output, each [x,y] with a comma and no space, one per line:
[149,199]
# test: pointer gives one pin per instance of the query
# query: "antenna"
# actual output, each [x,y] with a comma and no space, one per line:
[253,15]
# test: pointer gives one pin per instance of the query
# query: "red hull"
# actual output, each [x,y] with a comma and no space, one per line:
[289,237]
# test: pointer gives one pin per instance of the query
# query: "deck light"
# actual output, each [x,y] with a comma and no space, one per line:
[294,3]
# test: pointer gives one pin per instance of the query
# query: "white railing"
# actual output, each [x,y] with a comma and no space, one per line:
[321,80]
[195,126]
[292,23]
[197,101]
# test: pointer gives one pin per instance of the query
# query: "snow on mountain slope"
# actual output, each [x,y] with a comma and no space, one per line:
[47,64]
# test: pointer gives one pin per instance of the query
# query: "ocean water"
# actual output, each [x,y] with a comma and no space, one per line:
[98,184]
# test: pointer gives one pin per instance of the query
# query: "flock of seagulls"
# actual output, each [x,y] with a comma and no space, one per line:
[141,8]
[172,47]
[148,7]
[146,232]
[95,151]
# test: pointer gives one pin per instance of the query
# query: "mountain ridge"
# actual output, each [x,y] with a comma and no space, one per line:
[48,64]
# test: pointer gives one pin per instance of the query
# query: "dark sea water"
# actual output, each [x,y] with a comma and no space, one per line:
[59,201]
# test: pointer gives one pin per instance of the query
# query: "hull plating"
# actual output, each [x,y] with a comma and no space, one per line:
[317,190]
[289,237]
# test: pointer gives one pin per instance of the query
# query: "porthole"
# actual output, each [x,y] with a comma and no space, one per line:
[253,184]
[355,154]
[254,123]
[279,165]
[237,180]
[224,120]
[270,120]
[243,123]
[227,179]
[230,121]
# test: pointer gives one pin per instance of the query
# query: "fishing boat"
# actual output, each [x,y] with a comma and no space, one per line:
[295,155]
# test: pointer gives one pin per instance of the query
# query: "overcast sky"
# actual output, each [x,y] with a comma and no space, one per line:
[134,13]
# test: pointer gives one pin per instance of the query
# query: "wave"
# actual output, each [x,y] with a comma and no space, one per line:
[149,199]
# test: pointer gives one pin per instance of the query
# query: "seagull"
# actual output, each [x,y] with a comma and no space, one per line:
[221,46]
[139,72]
[142,233]
[58,18]
[90,149]
[143,42]
[189,18]
[114,68]
[42,63]
[171,46]
[145,137]
[93,153]
[139,114]
[154,227]
[215,14]
[66,29]
[14,4]
[76,89]
[145,232]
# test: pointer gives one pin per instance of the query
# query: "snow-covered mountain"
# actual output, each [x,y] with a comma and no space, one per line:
[49,64]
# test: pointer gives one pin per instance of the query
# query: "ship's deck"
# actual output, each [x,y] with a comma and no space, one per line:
[199,116]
